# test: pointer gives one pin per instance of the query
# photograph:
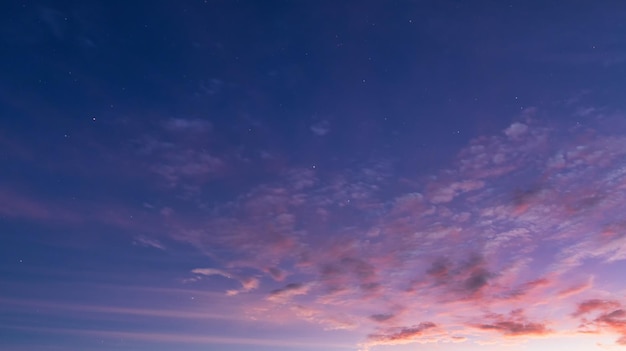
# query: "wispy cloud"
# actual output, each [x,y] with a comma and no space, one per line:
[321,128]
[287,292]
[191,339]
[247,283]
[148,242]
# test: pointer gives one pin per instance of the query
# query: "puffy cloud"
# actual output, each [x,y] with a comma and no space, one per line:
[516,130]
[401,335]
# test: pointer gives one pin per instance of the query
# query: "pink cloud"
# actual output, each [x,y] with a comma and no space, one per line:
[513,324]
[610,316]
[594,305]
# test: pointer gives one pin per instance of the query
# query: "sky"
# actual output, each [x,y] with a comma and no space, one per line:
[312,175]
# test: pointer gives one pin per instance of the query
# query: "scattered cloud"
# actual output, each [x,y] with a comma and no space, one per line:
[321,128]
[608,315]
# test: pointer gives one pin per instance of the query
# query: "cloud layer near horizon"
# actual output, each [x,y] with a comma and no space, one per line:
[519,236]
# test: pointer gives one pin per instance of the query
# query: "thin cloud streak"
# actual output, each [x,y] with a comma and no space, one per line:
[191,339]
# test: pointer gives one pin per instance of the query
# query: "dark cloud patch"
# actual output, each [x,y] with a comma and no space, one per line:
[347,271]
[586,203]
[522,196]
[371,287]
[513,324]
[361,269]
[276,273]
[614,318]
[525,288]
[466,277]
[516,328]
[287,288]
[477,280]
[440,270]
[383,317]
[400,334]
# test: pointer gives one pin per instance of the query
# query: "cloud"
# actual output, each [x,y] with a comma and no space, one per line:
[516,328]
[343,271]
[287,292]
[321,128]
[448,193]
[179,125]
[522,291]
[247,283]
[187,164]
[611,316]
[594,305]
[211,271]
[181,152]
[382,317]
[465,279]
[201,339]
[276,273]
[394,336]
[54,308]
[514,324]
[576,289]
[516,130]
[15,204]
[148,242]
[331,320]
[55,20]
[250,283]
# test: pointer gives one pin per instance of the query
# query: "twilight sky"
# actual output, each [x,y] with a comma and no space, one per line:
[312,175]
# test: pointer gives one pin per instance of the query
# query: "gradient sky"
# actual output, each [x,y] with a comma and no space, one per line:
[312,175]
